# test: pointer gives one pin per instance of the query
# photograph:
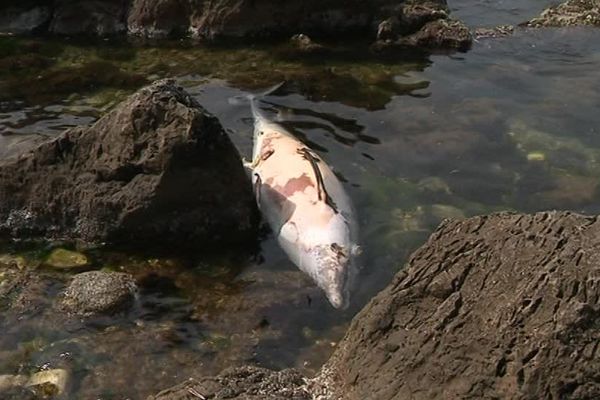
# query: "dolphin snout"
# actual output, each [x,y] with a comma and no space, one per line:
[337,299]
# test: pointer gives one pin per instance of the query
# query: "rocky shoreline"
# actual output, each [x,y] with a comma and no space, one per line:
[420,23]
[500,306]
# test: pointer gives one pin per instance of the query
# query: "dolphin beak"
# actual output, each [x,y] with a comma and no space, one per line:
[337,299]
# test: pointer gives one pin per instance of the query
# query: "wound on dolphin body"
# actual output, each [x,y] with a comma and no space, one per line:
[321,190]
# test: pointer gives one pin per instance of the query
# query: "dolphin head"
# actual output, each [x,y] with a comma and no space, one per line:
[333,270]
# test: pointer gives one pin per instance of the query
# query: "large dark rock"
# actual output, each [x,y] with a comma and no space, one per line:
[157,169]
[569,13]
[505,306]
[244,383]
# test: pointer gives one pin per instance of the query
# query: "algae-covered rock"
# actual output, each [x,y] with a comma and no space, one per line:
[49,383]
[10,381]
[66,259]
[13,261]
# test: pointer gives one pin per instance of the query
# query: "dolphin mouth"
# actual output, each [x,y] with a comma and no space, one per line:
[337,298]
[338,303]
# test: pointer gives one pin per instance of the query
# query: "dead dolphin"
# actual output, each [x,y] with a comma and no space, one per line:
[306,207]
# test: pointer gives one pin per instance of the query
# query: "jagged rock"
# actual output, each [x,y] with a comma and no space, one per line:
[157,169]
[97,292]
[243,383]
[501,306]
[569,13]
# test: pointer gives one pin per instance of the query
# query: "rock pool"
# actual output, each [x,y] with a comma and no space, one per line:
[510,125]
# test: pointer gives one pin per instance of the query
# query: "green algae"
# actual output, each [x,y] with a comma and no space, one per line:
[61,68]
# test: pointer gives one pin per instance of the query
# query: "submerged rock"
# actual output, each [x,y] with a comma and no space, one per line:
[247,383]
[49,383]
[10,381]
[569,13]
[97,292]
[66,259]
[156,170]
[503,306]
[41,385]
[22,292]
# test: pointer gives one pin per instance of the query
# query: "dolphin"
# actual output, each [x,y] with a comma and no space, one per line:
[305,205]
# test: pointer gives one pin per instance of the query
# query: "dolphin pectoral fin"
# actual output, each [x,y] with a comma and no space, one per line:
[247,168]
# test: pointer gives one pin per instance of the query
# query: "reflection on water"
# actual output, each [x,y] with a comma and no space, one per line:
[511,125]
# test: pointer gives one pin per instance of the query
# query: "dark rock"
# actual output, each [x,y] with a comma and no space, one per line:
[569,13]
[247,383]
[268,18]
[503,306]
[159,18]
[96,18]
[24,19]
[157,169]
[97,292]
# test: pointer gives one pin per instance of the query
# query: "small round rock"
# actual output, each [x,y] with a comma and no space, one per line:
[97,292]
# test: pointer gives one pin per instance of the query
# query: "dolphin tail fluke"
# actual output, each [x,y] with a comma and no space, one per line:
[253,98]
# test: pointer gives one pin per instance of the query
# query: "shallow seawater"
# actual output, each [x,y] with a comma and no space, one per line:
[510,125]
